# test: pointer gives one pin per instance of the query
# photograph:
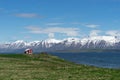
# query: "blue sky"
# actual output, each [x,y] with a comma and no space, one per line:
[31,20]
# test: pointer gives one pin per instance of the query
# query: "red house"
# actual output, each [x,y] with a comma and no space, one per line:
[28,51]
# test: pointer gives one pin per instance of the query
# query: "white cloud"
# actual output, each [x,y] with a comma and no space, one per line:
[14,38]
[34,29]
[78,23]
[52,30]
[27,15]
[94,32]
[54,24]
[86,25]
[67,31]
[113,33]
[51,35]
[91,25]
[27,37]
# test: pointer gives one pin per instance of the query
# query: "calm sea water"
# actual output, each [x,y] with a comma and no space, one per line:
[103,59]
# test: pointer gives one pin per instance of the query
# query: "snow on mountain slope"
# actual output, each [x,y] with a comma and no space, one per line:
[49,42]
[52,41]
[95,42]
[99,41]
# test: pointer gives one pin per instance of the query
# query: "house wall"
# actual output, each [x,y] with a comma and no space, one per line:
[28,51]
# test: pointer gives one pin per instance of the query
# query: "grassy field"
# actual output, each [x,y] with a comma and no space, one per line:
[47,67]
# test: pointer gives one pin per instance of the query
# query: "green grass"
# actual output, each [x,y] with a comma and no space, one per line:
[47,67]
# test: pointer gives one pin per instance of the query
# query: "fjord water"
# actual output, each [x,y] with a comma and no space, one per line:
[98,59]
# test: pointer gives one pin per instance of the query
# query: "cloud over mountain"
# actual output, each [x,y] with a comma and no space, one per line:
[113,32]
[67,31]
[28,15]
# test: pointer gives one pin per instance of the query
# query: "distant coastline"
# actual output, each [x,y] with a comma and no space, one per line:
[67,51]
[88,50]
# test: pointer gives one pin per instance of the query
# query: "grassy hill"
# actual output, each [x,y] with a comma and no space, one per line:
[47,67]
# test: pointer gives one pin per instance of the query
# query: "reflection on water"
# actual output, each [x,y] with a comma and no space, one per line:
[103,59]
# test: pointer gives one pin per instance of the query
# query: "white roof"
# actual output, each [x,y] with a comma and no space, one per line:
[27,49]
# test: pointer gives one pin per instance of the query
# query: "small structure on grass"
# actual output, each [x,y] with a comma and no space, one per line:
[28,51]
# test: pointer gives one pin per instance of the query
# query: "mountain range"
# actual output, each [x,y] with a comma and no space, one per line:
[69,44]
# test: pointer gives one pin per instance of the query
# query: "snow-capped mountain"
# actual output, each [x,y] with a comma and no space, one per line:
[96,42]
